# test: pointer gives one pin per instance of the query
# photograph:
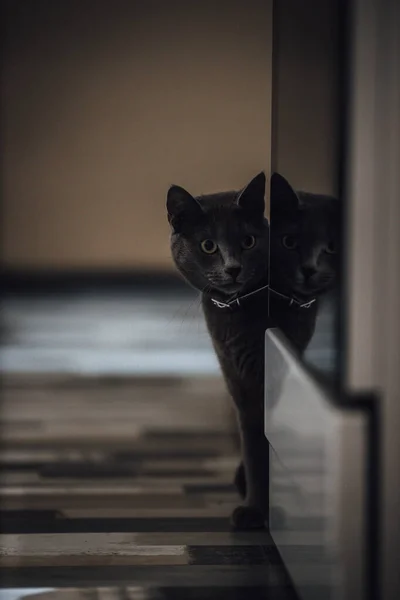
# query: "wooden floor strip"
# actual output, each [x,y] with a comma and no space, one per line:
[121,488]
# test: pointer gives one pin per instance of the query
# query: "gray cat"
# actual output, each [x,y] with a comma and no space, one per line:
[221,244]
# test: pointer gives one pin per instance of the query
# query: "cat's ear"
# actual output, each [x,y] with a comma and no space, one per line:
[252,197]
[284,199]
[181,207]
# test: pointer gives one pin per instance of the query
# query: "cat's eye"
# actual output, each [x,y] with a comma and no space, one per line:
[208,246]
[331,248]
[289,242]
[248,242]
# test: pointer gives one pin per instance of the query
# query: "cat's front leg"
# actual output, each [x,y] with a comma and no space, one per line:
[240,480]
[253,513]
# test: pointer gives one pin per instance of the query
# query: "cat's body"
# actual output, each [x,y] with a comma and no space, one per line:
[220,243]
[238,337]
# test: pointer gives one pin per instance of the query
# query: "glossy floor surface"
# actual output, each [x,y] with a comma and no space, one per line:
[118,455]
[125,483]
[153,332]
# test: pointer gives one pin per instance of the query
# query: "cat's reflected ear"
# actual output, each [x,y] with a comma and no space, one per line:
[284,199]
[181,206]
[251,198]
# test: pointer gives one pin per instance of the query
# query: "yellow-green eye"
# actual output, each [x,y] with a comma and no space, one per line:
[248,242]
[289,242]
[208,246]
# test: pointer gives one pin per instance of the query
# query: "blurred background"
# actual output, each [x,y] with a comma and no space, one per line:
[109,375]
[102,110]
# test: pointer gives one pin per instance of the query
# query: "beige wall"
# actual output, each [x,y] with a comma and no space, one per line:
[305,88]
[105,104]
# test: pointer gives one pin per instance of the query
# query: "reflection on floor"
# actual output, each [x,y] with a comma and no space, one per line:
[113,333]
[118,455]
[123,334]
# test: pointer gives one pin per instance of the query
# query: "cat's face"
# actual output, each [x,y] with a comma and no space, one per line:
[219,242]
[304,240]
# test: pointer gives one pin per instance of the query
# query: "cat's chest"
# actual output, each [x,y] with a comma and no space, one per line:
[243,331]
[237,331]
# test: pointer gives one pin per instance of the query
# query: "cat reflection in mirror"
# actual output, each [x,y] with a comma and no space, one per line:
[223,246]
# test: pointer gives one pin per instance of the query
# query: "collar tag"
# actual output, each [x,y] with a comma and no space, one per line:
[307,304]
[219,304]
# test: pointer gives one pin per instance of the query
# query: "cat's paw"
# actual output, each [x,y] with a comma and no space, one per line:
[240,480]
[245,518]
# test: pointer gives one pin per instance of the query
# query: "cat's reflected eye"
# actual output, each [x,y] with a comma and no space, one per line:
[289,242]
[209,246]
[331,248]
[248,242]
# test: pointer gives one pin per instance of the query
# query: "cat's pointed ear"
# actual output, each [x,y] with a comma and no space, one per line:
[252,197]
[284,199]
[181,206]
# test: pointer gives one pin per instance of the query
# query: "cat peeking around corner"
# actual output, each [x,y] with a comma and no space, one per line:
[253,277]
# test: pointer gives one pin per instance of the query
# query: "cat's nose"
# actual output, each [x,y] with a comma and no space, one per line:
[233,271]
[308,271]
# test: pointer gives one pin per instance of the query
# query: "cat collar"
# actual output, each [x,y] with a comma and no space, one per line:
[238,302]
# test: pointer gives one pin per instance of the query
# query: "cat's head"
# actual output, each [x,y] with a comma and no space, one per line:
[304,233]
[219,242]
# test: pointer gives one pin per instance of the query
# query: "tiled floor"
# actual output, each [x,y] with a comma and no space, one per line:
[118,456]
